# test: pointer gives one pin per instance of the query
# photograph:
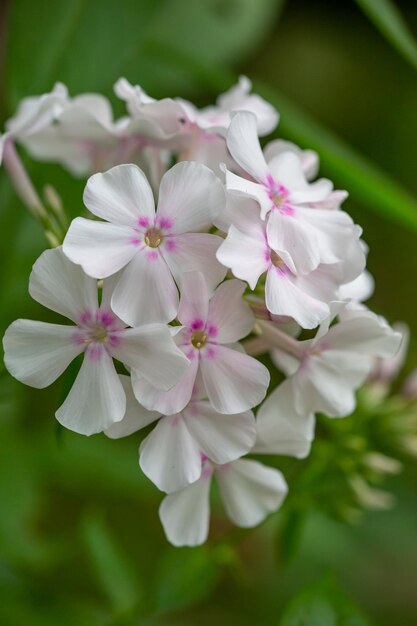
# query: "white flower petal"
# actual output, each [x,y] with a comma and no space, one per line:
[151,350]
[135,417]
[36,353]
[235,382]
[96,399]
[195,251]
[288,233]
[121,195]
[185,515]
[190,196]
[244,255]
[222,438]
[366,333]
[146,291]
[169,456]
[250,491]
[280,430]
[62,286]
[327,382]
[239,186]
[243,143]
[102,249]
[229,316]
[194,302]
[309,159]
[284,297]
[287,170]
[166,402]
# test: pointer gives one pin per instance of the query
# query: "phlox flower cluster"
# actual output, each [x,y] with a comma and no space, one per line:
[201,252]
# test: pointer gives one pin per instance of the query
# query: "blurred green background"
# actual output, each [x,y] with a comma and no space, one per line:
[80,539]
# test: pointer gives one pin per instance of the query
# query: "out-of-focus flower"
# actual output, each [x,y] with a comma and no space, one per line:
[34,115]
[249,492]
[327,370]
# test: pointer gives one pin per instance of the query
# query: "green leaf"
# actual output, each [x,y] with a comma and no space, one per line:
[323,604]
[389,21]
[115,574]
[185,577]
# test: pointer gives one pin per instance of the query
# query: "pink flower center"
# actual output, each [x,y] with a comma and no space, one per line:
[153,238]
[279,196]
[97,331]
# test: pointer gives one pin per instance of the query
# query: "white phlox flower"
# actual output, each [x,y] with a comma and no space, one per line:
[326,372]
[249,492]
[249,253]
[152,248]
[302,233]
[37,353]
[280,429]
[233,381]
[34,115]
[171,454]
[196,134]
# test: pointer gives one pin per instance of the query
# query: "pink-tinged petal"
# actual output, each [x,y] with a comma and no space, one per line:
[102,249]
[166,402]
[365,333]
[326,383]
[190,196]
[239,186]
[97,399]
[135,417]
[185,515]
[243,143]
[280,430]
[222,438]
[308,158]
[235,382]
[287,170]
[284,297]
[61,285]
[169,456]
[250,491]
[229,316]
[151,350]
[246,256]
[239,98]
[194,251]
[36,353]
[122,195]
[194,302]
[146,291]
[289,234]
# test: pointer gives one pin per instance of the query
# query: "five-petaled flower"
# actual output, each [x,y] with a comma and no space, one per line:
[37,353]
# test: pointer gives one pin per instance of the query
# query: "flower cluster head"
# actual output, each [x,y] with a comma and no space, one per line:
[181,276]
